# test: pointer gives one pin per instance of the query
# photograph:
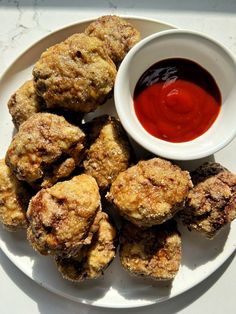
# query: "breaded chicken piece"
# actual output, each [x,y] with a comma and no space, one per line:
[24,103]
[206,170]
[150,192]
[93,259]
[60,217]
[153,253]
[118,35]
[14,200]
[76,74]
[110,151]
[211,204]
[45,149]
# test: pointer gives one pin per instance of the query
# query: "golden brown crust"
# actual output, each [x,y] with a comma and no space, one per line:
[110,151]
[45,149]
[24,103]
[211,204]
[93,259]
[153,253]
[76,74]
[118,35]
[60,217]
[14,199]
[150,192]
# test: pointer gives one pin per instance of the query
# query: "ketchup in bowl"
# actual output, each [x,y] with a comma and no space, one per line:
[176,100]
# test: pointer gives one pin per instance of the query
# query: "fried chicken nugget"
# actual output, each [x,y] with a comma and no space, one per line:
[211,204]
[24,103]
[76,74]
[93,259]
[153,253]
[45,149]
[118,35]
[14,199]
[60,217]
[150,192]
[206,170]
[110,151]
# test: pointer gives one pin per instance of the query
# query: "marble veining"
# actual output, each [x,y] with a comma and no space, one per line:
[25,21]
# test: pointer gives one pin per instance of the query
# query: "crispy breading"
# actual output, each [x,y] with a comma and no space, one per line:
[76,74]
[150,192]
[118,35]
[60,217]
[211,204]
[14,199]
[93,259]
[24,103]
[45,149]
[153,253]
[206,170]
[110,151]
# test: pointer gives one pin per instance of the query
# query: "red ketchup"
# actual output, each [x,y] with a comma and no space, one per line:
[176,100]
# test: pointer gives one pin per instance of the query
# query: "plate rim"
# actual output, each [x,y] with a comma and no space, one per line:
[70,25]
[10,256]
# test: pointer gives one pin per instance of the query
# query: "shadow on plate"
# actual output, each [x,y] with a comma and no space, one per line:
[44,271]
[50,303]
[198,250]
[191,165]
[16,243]
[137,288]
[14,131]
[123,286]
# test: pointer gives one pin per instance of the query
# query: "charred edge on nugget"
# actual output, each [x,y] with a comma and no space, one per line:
[205,171]
[214,211]
[94,127]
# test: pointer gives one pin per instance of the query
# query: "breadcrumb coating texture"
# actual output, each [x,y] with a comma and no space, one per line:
[110,151]
[24,103]
[150,192]
[14,199]
[93,259]
[76,74]
[45,149]
[60,217]
[118,35]
[211,204]
[153,253]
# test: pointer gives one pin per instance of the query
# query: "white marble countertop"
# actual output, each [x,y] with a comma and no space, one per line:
[23,23]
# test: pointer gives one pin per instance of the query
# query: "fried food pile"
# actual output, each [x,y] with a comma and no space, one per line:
[64,174]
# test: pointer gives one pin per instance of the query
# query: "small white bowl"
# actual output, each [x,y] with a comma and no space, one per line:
[208,53]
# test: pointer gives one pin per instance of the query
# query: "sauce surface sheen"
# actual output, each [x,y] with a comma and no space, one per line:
[176,100]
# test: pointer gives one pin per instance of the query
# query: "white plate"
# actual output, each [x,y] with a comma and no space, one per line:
[116,288]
